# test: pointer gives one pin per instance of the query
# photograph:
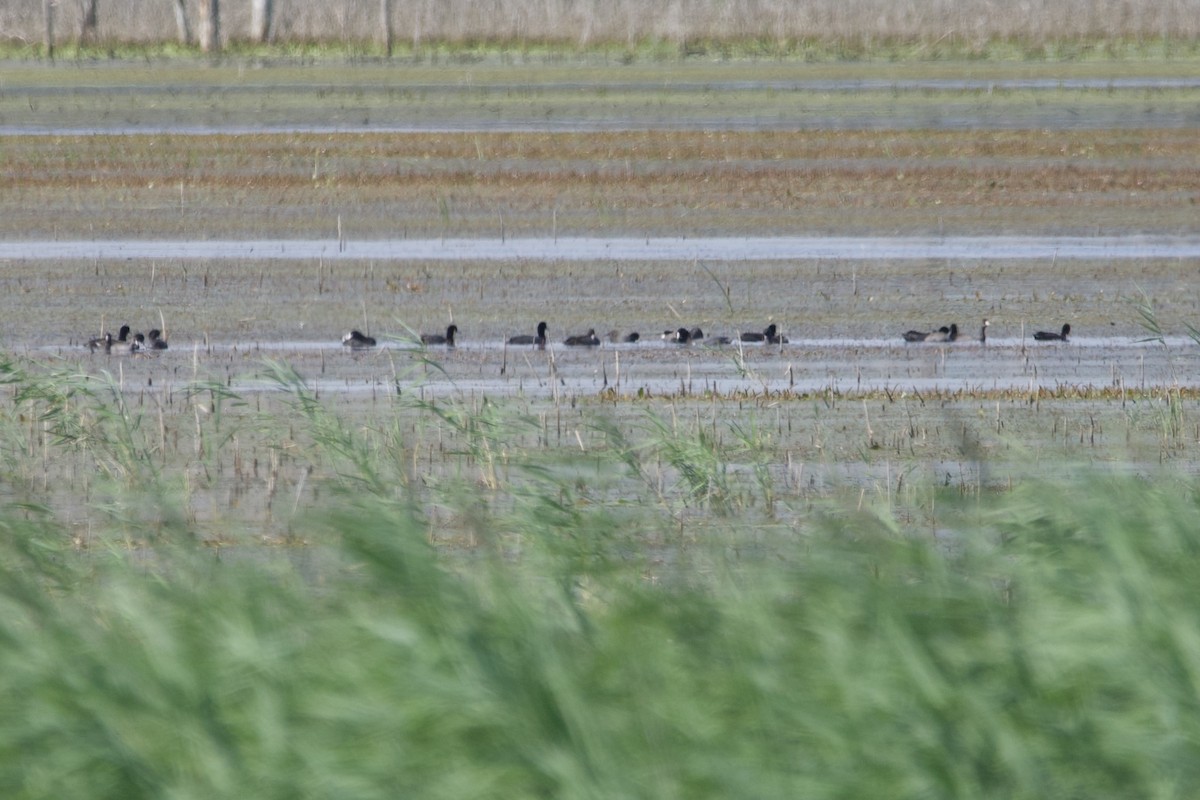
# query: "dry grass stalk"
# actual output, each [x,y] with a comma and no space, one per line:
[862,25]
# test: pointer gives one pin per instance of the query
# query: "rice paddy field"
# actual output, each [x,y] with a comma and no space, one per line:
[260,563]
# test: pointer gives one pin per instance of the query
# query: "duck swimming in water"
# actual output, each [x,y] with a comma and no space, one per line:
[950,335]
[437,338]
[588,339]
[678,336]
[355,340]
[1050,336]
[683,335]
[154,340]
[770,335]
[135,345]
[942,334]
[539,340]
[104,342]
[920,336]
[615,337]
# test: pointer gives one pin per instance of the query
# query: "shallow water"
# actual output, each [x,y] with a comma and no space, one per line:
[803,366]
[922,399]
[782,248]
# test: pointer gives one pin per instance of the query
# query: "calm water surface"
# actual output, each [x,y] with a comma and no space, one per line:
[848,366]
[783,248]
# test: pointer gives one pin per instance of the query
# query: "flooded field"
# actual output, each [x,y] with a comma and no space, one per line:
[1002,368]
[818,550]
[731,249]
[844,409]
[728,203]
[809,419]
[593,96]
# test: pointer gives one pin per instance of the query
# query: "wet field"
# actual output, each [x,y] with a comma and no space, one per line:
[256,251]
[594,95]
[657,367]
[844,368]
[838,563]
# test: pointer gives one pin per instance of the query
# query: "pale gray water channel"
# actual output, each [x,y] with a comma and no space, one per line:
[785,248]
[850,367]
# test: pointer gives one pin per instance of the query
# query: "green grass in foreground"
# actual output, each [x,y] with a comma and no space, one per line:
[1044,644]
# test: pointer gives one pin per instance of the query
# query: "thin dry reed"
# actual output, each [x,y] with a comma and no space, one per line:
[864,23]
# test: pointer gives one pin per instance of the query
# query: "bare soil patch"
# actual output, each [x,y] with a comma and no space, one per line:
[653,183]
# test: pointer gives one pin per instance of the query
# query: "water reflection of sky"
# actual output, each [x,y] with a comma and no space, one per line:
[805,366]
[730,249]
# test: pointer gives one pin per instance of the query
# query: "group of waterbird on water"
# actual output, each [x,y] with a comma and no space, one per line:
[770,335]
[127,343]
[949,333]
[357,340]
